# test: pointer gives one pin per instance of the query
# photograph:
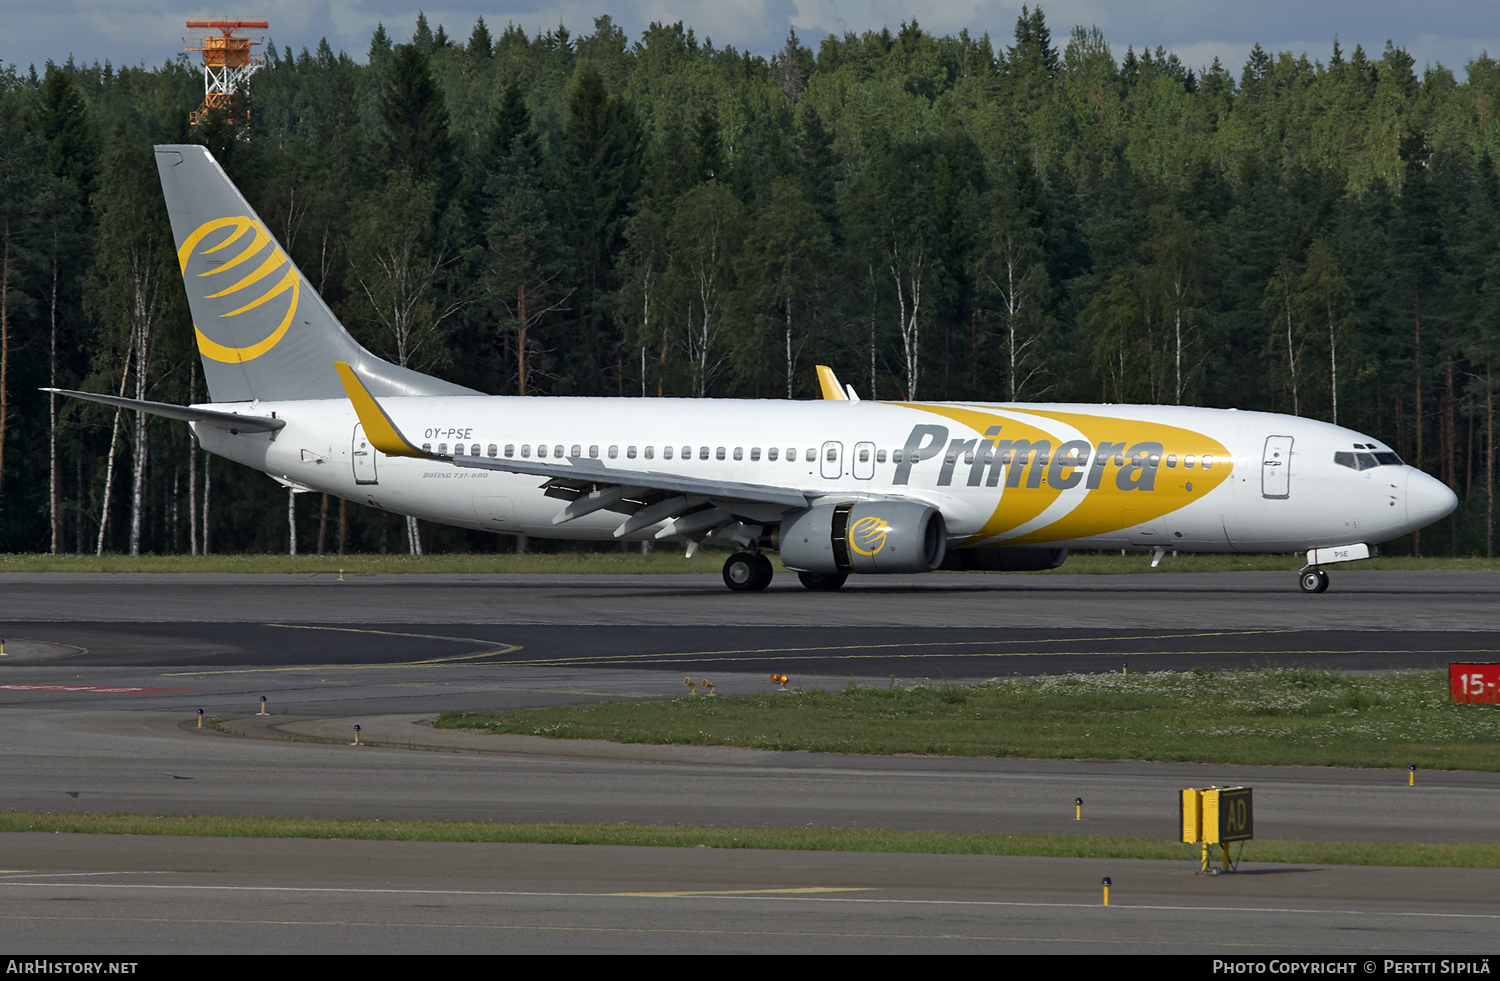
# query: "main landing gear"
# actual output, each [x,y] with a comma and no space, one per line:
[745,572]
[822,581]
[1313,580]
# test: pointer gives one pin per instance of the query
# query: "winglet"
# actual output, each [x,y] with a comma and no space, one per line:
[379,429]
[829,382]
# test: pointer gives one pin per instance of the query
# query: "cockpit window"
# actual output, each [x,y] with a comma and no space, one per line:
[1366,461]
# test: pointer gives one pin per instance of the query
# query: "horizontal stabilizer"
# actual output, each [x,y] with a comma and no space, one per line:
[232,421]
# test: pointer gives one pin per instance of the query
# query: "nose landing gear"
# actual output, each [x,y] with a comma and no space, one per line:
[1313,580]
[746,572]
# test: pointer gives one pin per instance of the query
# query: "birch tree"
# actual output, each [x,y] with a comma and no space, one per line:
[135,268]
[704,240]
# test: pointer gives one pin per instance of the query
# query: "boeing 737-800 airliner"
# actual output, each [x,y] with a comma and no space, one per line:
[837,486]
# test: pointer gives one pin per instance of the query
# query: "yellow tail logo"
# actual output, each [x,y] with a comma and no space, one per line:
[274,261]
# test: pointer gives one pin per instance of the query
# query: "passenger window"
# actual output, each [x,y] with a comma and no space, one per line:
[474,450]
[952,457]
[443,449]
[718,454]
[593,452]
[578,451]
[525,450]
[864,455]
[541,451]
[614,451]
[703,452]
[773,453]
[880,456]
[629,453]
[426,447]
[739,452]
[1208,461]
[557,451]
[1155,459]
[791,454]
[651,452]
[687,452]
[755,452]
[968,456]
[811,455]
[833,454]
[1187,461]
[895,456]
[666,452]
[1171,461]
[510,449]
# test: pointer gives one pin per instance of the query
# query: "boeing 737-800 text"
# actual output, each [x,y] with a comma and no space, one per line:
[837,486]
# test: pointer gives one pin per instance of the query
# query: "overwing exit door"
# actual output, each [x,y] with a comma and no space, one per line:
[363,455]
[1276,467]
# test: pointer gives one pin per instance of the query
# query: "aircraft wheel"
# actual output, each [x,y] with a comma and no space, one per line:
[742,573]
[1323,586]
[822,581]
[763,572]
[1313,581]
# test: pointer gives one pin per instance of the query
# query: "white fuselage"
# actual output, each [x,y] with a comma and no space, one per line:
[1081,476]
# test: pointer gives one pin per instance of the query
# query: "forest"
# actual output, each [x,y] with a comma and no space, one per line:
[1028,219]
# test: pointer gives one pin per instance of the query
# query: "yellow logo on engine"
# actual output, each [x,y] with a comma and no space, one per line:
[272,262]
[867,535]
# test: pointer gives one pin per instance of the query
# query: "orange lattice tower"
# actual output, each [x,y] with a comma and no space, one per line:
[227,67]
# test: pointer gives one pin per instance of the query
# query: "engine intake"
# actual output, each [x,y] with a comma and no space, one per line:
[867,536]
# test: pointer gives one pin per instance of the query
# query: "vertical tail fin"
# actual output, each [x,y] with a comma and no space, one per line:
[263,332]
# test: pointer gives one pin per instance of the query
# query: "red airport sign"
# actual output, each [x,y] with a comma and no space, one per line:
[1474,682]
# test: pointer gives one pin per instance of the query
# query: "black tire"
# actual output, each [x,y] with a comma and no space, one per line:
[1312,581]
[763,572]
[822,581]
[741,573]
[1323,584]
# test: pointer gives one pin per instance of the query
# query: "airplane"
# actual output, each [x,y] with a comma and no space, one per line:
[837,486]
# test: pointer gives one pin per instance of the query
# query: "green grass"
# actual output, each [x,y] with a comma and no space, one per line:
[798,839]
[667,560]
[1292,716]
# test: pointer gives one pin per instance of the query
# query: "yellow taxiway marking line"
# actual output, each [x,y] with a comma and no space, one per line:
[753,894]
[993,642]
[426,662]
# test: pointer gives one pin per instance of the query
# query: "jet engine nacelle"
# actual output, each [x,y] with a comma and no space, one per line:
[867,536]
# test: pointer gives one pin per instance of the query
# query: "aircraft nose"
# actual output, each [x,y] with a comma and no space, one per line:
[1427,499]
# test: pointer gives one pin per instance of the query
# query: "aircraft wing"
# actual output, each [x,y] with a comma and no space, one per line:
[232,421]
[692,507]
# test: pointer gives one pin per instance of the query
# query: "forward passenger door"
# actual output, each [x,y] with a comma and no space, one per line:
[1276,468]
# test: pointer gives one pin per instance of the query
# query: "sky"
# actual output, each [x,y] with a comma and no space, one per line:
[134,32]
